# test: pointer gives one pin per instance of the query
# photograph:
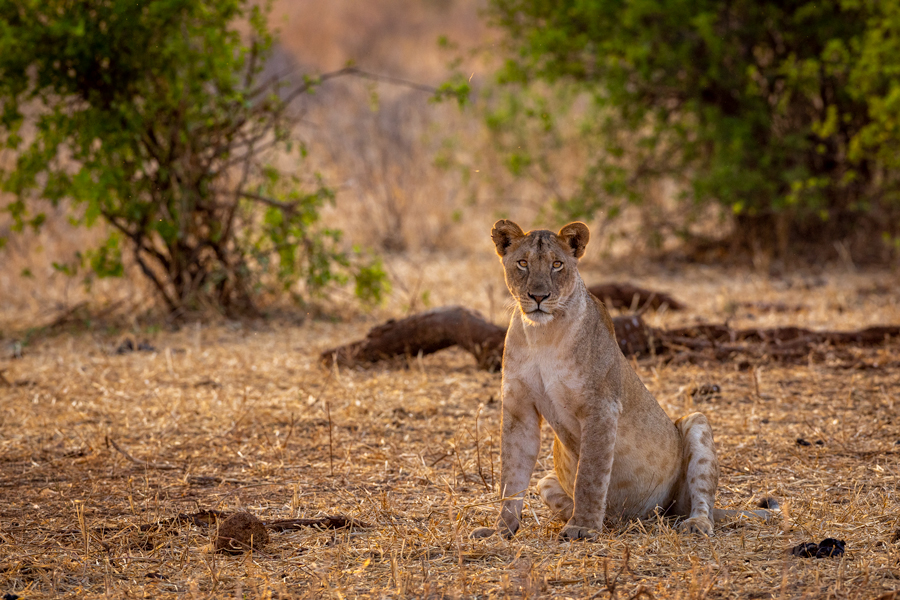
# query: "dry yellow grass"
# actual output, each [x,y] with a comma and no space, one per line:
[240,416]
[237,417]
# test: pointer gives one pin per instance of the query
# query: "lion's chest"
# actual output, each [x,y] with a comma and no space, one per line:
[547,378]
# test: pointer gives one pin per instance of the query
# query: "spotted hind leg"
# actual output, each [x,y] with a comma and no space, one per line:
[700,469]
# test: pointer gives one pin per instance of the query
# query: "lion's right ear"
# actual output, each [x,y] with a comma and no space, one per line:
[504,233]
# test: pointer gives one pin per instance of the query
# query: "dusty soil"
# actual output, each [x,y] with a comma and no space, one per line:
[242,417]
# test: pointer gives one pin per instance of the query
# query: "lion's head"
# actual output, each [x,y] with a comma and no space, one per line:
[541,266]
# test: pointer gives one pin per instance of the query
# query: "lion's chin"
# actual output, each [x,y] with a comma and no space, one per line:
[537,317]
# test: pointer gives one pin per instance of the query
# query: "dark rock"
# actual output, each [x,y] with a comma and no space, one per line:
[827,548]
[830,547]
[805,550]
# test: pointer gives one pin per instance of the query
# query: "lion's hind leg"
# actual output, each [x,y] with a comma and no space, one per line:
[700,469]
[553,489]
[555,497]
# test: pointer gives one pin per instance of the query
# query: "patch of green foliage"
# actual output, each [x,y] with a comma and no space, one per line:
[153,117]
[786,114]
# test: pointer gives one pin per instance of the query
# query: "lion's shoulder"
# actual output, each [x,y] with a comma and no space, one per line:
[605,316]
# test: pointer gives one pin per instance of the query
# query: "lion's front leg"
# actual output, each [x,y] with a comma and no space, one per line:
[519,447]
[595,464]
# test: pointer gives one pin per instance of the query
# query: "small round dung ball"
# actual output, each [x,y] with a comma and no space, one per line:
[240,532]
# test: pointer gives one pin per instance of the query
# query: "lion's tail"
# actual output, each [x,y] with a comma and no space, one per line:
[769,508]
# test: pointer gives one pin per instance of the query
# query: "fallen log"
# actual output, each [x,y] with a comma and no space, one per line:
[781,336]
[430,331]
[425,333]
[720,342]
[433,330]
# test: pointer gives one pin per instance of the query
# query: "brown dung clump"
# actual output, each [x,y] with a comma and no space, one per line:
[240,532]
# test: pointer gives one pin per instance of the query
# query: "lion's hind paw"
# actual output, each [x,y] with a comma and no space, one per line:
[482,532]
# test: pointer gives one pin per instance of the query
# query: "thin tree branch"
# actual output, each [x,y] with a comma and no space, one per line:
[286,206]
[137,240]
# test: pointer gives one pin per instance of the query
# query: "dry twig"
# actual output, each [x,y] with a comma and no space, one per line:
[137,461]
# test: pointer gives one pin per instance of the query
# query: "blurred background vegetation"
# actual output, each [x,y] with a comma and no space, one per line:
[783,116]
[218,156]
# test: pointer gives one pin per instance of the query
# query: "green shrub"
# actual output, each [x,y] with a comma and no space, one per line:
[153,117]
[785,114]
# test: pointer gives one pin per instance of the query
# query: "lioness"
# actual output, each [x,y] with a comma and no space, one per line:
[615,452]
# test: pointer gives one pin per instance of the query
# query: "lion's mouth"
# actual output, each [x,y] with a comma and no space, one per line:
[538,315]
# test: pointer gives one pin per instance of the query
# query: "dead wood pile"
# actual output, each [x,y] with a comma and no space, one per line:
[433,330]
[626,295]
[720,342]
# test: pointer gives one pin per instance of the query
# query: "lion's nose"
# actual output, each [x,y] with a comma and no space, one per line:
[539,298]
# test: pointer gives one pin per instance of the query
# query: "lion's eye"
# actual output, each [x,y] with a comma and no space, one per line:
[557,264]
[523,263]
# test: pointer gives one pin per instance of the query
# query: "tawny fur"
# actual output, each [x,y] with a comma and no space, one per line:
[616,453]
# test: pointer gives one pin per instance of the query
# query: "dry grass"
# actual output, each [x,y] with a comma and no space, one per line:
[237,416]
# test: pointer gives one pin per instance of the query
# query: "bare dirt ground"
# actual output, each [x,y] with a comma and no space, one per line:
[241,416]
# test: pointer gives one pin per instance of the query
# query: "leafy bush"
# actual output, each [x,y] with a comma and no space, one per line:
[786,114]
[154,117]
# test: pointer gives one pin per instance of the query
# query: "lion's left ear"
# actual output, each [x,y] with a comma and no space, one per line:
[575,236]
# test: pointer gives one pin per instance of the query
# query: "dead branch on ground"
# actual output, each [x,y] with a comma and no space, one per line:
[138,461]
[720,342]
[329,522]
[433,330]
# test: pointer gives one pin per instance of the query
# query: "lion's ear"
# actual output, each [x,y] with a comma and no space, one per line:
[575,236]
[504,233]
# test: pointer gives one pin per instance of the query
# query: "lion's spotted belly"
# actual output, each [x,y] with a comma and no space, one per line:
[638,483]
[636,489]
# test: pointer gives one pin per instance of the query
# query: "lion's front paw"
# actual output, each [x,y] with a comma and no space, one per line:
[576,532]
[482,532]
[699,524]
